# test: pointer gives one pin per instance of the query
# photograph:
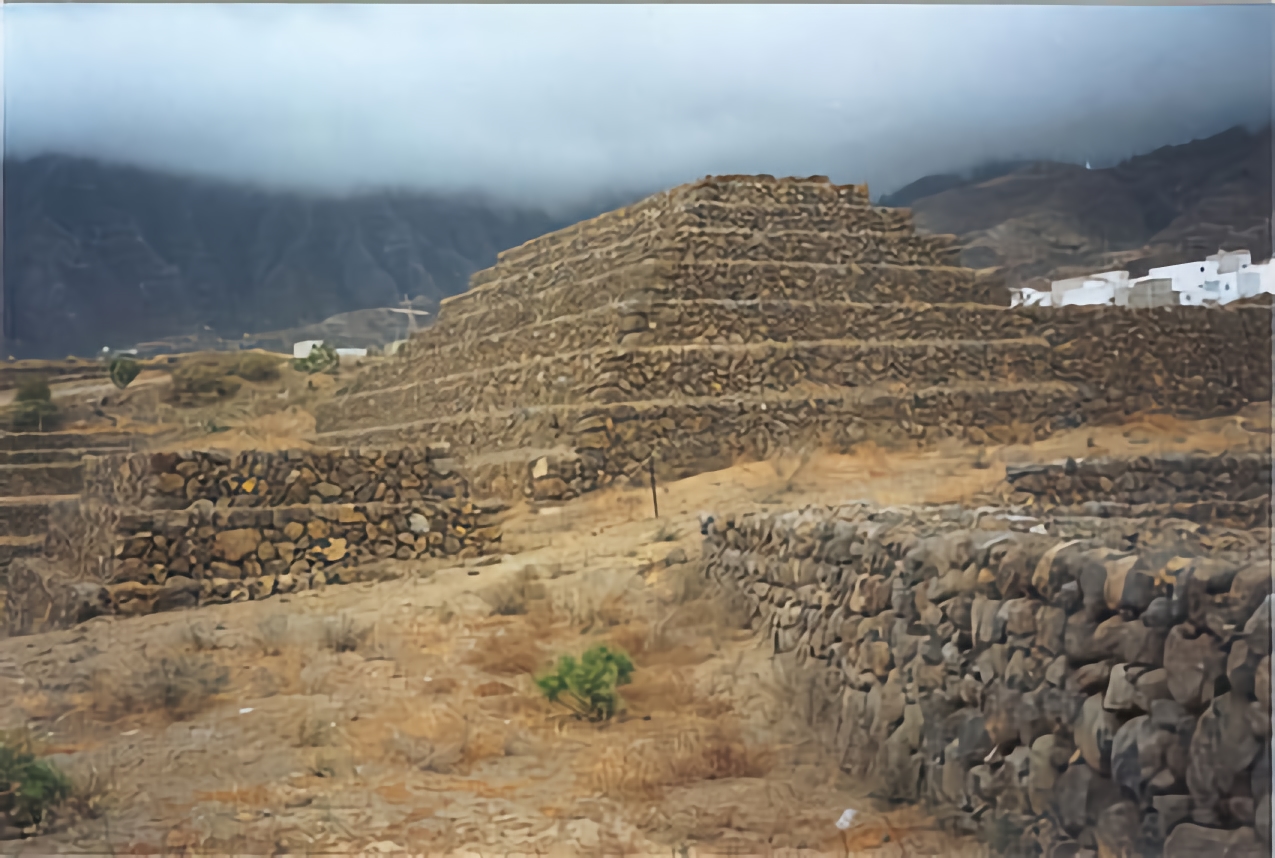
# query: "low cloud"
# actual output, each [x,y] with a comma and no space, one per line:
[550,104]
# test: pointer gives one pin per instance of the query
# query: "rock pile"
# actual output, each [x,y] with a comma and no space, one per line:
[1107,691]
[735,316]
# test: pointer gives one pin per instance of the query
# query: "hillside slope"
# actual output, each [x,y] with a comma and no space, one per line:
[97,254]
[1048,220]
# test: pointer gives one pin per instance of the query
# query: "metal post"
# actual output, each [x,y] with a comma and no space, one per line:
[655,501]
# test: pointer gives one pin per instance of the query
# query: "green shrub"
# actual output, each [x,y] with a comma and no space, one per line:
[35,389]
[322,358]
[252,366]
[122,371]
[588,686]
[33,409]
[34,416]
[29,787]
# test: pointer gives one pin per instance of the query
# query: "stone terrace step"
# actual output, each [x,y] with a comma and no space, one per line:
[27,516]
[514,302]
[59,478]
[706,322]
[617,374]
[684,204]
[707,251]
[12,547]
[715,431]
[42,457]
[63,440]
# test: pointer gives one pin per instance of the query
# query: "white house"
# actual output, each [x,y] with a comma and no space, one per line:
[1224,277]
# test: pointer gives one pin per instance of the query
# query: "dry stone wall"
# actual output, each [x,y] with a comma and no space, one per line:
[334,476]
[159,531]
[1103,685]
[1172,478]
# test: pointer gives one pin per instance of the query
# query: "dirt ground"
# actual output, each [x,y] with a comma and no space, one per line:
[401,715]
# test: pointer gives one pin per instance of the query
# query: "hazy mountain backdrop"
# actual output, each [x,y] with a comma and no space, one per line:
[98,255]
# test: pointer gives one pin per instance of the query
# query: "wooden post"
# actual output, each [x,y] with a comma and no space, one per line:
[655,500]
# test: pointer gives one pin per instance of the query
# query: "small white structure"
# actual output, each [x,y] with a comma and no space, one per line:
[352,352]
[302,349]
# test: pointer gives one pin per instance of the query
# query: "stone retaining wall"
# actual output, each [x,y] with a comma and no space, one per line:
[153,532]
[332,476]
[1186,478]
[1109,691]
[491,310]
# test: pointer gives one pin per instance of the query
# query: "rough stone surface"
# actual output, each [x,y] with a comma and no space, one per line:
[1035,700]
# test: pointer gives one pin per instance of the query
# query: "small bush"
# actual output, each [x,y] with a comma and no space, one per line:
[34,389]
[33,409]
[510,598]
[588,687]
[322,358]
[252,366]
[122,371]
[33,416]
[29,787]
[183,685]
[342,634]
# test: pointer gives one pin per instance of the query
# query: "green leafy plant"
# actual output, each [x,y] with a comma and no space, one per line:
[35,389]
[29,787]
[322,358]
[122,371]
[588,687]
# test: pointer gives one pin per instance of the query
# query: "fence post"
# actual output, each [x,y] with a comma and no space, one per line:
[655,501]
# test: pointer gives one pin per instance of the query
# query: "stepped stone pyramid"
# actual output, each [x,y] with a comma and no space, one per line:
[741,315]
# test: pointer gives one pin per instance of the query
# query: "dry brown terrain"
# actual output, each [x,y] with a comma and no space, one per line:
[401,715]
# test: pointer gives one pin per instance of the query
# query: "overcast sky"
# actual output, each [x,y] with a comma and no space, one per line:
[549,103]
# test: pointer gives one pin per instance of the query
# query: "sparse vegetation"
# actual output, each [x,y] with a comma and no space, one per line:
[30,788]
[122,371]
[667,533]
[272,633]
[201,381]
[33,409]
[514,652]
[181,686]
[322,358]
[256,367]
[644,768]
[511,598]
[588,687]
[342,634]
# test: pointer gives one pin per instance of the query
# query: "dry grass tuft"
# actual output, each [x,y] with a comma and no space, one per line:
[508,651]
[342,634]
[513,597]
[272,634]
[181,687]
[645,767]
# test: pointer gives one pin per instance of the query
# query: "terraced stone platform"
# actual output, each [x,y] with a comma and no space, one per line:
[738,316]
[39,470]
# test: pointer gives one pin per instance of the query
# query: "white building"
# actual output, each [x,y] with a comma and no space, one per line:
[1224,277]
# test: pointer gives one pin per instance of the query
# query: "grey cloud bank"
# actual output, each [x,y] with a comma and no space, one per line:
[550,104]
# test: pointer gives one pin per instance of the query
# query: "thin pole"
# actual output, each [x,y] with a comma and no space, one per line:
[655,501]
